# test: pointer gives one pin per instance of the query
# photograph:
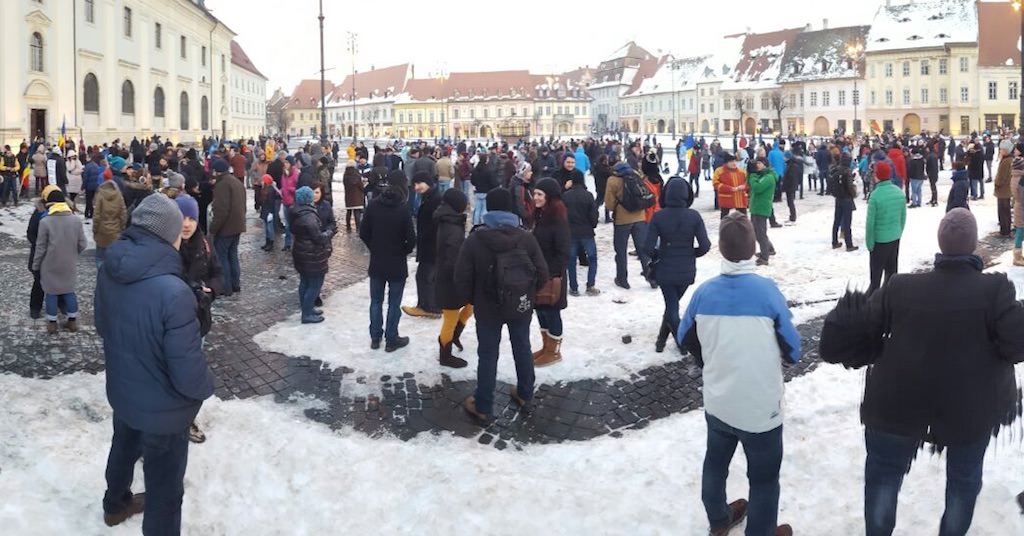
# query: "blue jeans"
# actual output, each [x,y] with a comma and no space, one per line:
[467,188]
[70,305]
[287,221]
[977,185]
[672,294]
[164,458]
[395,289]
[309,289]
[9,190]
[227,253]
[888,460]
[764,458]
[550,318]
[1018,238]
[589,246]
[274,214]
[915,191]
[443,186]
[101,253]
[479,208]
[620,240]
[842,220]
[488,339]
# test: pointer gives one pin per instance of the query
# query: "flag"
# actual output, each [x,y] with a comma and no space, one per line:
[25,172]
[63,134]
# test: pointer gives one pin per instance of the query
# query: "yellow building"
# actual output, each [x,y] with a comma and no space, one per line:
[420,111]
[303,109]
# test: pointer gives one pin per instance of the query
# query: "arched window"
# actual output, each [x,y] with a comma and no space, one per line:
[158,102]
[35,48]
[91,93]
[184,111]
[204,113]
[127,98]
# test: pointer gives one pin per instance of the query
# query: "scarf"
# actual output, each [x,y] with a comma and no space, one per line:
[738,268]
[952,261]
[58,208]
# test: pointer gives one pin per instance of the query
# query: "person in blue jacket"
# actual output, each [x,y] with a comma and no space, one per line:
[582,160]
[156,374]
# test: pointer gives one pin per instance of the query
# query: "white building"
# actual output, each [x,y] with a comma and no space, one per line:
[612,79]
[113,69]
[747,92]
[249,96]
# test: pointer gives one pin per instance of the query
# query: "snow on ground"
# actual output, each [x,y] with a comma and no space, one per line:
[14,221]
[268,470]
[807,270]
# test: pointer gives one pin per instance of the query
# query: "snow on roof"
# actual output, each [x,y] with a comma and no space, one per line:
[926,24]
[721,60]
[686,73]
[821,55]
[761,60]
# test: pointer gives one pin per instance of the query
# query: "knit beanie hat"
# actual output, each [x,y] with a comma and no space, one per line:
[736,237]
[49,189]
[622,169]
[116,163]
[267,180]
[500,199]
[424,177]
[882,171]
[455,198]
[550,188]
[175,180]
[958,233]
[55,196]
[188,206]
[159,215]
[220,166]
[304,196]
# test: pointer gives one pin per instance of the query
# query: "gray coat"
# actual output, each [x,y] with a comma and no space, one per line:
[61,240]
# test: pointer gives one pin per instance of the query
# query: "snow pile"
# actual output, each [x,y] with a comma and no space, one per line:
[14,222]
[923,25]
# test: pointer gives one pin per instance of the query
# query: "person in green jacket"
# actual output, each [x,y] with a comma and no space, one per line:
[762,192]
[887,215]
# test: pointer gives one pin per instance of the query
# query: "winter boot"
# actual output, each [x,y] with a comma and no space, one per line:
[459,328]
[737,513]
[546,345]
[784,530]
[51,327]
[666,330]
[1018,257]
[552,355]
[418,312]
[1020,502]
[137,506]
[447,359]
[71,325]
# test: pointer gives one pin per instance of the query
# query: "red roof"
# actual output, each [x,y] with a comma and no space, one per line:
[384,82]
[645,70]
[307,94]
[241,59]
[753,64]
[998,35]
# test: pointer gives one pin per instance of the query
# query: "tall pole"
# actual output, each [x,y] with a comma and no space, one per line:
[672,72]
[353,39]
[855,105]
[323,92]
[1021,66]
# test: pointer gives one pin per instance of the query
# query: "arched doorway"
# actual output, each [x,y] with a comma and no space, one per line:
[912,124]
[704,126]
[821,126]
[636,126]
[350,131]
[483,132]
[750,126]
[563,129]
[661,125]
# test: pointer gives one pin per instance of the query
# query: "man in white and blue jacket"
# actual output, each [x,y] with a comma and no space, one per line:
[739,329]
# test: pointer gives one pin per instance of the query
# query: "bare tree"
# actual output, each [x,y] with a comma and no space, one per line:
[281,120]
[779,103]
[741,105]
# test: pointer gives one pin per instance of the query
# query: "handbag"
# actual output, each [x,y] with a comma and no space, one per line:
[550,293]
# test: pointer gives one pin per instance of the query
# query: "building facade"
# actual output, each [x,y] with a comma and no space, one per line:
[249,96]
[109,69]
[999,65]
[302,112]
[611,80]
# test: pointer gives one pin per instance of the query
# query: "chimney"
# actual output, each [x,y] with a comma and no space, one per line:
[824,24]
[748,30]
[412,71]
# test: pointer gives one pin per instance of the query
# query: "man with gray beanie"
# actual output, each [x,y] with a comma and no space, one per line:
[739,330]
[941,348]
[156,374]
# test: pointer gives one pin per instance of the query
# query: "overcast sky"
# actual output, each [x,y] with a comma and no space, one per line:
[282,37]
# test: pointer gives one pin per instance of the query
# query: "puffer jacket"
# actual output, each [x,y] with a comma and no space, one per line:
[959,191]
[110,215]
[676,236]
[388,232]
[200,268]
[312,248]
[451,233]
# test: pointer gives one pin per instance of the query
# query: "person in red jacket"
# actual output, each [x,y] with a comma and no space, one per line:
[730,183]
[694,170]
[899,163]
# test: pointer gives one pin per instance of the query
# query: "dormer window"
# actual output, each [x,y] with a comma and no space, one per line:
[824,66]
[882,40]
[904,19]
[914,38]
[942,36]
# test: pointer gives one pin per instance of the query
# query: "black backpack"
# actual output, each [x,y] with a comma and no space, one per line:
[636,196]
[513,276]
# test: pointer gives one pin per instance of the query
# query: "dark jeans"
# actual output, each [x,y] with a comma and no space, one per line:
[760,224]
[672,294]
[36,296]
[764,458]
[977,184]
[792,204]
[395,289]
[227,254]
[842,219]
[1003,209]
[9,189]
[888,460]
[54,302]
[309,289]
[884,259]
[550,318]
[695,183]
[935,191]
[620,240]
[589,247]
[725,211]
[488,339]
[425,272]
[164,458]
[89,196]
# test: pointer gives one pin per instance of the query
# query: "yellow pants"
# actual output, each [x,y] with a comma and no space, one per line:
[451,317]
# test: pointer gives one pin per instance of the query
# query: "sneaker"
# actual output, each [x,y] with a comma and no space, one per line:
[593,291]
[375,344]
[853,248]
[400,342]
[574,292]
[622,284]
[776,225]
[737,513]
[761,262]
[836,245]
[314,319]
[137,506]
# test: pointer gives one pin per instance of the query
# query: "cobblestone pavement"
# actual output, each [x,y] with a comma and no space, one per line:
[573,411]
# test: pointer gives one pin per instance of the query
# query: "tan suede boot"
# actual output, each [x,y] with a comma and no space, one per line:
[1018,257]
[550,355]
[546,344]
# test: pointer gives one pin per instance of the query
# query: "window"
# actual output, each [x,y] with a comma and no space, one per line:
[204,113]
[888,97]
[1012,91]
[924,95]
[158,102]
[963,64]
[224,68]
[711,108]
[128,22]
[764,102]
[401,116]
[90,11]
[158,35]
[127,98]
[826,98]
[814,99]
[91,94]
[183,107]
[801,100]
[906,68]
[792,100]
[906,97]
[925,68]
[750,103]
[856,97]
[993,93]
[35,51]
[183,48]
[203,55]
[702,107]
[943,95]
[873,97]
[964,95]
[701,92]
[943,66]
[455,113]
[727,105]
[888,70]
[871,70]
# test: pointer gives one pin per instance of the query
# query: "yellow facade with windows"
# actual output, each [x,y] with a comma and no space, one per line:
[415,120]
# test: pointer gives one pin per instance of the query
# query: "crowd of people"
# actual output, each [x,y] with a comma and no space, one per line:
[498,231]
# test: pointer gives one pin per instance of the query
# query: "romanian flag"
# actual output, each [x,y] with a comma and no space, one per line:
[63,134]
[25,172]
[875,129]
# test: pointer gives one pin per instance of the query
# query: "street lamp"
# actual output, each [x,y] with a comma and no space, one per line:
[323,93]
[353,45]
[1017,7]
[442,75]
[853,53]
[673,67]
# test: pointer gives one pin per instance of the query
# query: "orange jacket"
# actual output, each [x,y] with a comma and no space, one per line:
[725,181]
[656,190]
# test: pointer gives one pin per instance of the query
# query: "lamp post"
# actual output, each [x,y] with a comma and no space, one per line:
[442,75]
[353,44]
[673,67]
[1017,7]
[853,54]
[323,92]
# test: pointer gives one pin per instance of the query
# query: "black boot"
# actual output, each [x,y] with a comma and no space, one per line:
[446,358]
[666,330]
[459,327]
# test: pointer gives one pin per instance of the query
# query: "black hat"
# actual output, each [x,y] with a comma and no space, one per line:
[550,187]
[423,176]
[55,196]
[736,237]
[728,158]
[453,197]
[500,199]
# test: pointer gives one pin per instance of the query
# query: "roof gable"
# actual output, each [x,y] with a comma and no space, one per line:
[926,24]
[241,59]
[821,55]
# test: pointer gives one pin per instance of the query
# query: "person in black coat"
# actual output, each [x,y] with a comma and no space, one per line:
[450,225]
[310,253]
[601,171]
[567,173]
[960,191]
[913,367]
[670,239]
[845,192]
[426,247]
[551,229]
[793,178]
[583,218]
[200,267]
[976,170]
[931,167]
[483,181]
[387,230]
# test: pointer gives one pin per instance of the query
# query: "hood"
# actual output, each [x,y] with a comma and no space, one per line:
[959,175]
[391,197]
[446,214]
[501,238]
[138,255]
[677,194]
[501,218]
